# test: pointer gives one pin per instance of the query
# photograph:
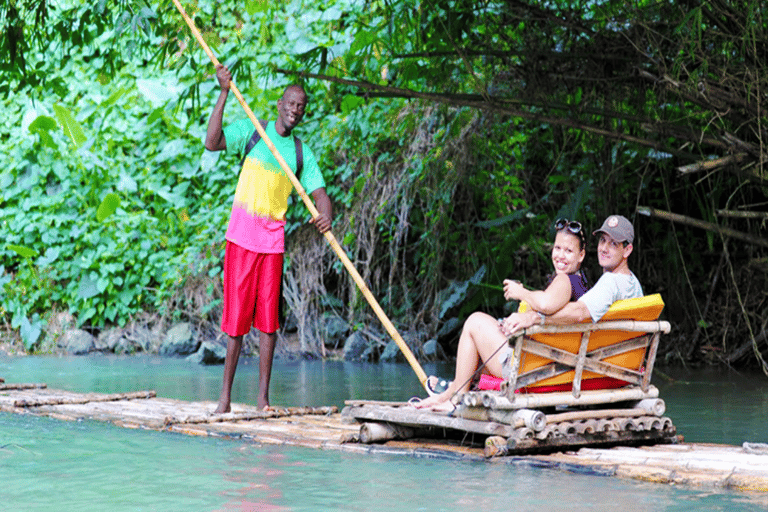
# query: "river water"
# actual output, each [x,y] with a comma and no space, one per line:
[51,465]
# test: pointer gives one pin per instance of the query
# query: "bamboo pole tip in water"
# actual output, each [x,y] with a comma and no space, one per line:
[495,446]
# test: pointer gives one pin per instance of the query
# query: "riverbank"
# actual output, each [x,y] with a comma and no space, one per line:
[150,335]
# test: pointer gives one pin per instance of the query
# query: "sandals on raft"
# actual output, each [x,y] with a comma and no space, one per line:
[436,385]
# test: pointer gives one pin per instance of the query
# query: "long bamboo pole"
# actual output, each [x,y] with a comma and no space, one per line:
[313,210]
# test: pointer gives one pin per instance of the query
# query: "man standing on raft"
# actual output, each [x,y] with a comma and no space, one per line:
[253,261]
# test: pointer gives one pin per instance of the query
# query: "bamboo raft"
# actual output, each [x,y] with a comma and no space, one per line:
[435,435]
[514,431]
[565,387]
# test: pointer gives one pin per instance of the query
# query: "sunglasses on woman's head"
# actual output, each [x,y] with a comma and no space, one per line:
[572,225]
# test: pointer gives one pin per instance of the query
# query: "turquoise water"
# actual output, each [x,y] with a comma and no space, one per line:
[48,465]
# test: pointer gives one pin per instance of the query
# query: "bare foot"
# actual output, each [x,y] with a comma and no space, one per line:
[444,407]
[432,401]
[223,408]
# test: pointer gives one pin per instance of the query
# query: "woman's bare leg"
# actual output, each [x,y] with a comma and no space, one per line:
[480,340]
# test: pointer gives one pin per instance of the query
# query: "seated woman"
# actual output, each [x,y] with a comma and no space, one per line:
[484,338]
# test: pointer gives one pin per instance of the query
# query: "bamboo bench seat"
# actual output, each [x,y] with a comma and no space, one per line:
[617,351]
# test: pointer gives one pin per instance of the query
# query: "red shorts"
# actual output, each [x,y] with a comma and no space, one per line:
[252,291]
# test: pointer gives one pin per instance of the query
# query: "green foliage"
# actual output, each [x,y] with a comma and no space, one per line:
[451,133]
[98,199]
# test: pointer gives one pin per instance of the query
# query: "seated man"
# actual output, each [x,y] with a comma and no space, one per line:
[616,283]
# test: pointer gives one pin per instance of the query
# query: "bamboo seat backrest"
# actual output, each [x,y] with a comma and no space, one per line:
[618,350]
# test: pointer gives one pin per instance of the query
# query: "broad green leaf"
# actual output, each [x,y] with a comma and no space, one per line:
[42,126]
[72,128]
[331,14]
[155,115]
[351,102]
[113,97]
[87,288]
[208,160]
[51,255]
[254,6]
[171,150]
[157,91]
[30,331]
[42,123]
[108,205]
[127,183]
[24,252]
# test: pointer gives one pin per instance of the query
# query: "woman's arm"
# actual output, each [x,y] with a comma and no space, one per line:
[571,313]
[548,301]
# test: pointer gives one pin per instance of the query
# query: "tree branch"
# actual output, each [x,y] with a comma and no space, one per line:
[690,221]
[467,101]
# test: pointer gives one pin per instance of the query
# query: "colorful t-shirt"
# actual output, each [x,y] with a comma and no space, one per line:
[257,221]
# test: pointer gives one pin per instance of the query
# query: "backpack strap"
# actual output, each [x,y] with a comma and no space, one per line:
[255,138]
[299,156]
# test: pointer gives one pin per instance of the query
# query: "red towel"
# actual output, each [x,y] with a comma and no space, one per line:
[491,383]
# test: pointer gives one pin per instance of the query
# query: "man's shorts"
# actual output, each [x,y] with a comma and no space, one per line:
[252,291]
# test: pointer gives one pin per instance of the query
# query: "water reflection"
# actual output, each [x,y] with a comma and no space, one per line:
[713,406]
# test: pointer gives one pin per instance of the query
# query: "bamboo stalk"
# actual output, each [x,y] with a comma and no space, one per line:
[375,432]
[708,226]
[739,214]
[580,362]
[82,399]
[532,419]
[708,165]
[654,406]
[313,211]
[538,400]
[375,402]
[4,387]
[612,325]
[595,414]
[422,418]
[280,412]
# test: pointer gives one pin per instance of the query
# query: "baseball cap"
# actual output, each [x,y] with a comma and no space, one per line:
[618,228]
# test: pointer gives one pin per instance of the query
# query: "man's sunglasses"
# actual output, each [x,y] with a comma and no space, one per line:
[572,225]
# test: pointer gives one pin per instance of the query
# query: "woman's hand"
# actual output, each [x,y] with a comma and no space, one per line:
[513,289]
[517,321]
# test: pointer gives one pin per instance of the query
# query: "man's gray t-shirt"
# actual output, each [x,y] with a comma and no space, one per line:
[608,289]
